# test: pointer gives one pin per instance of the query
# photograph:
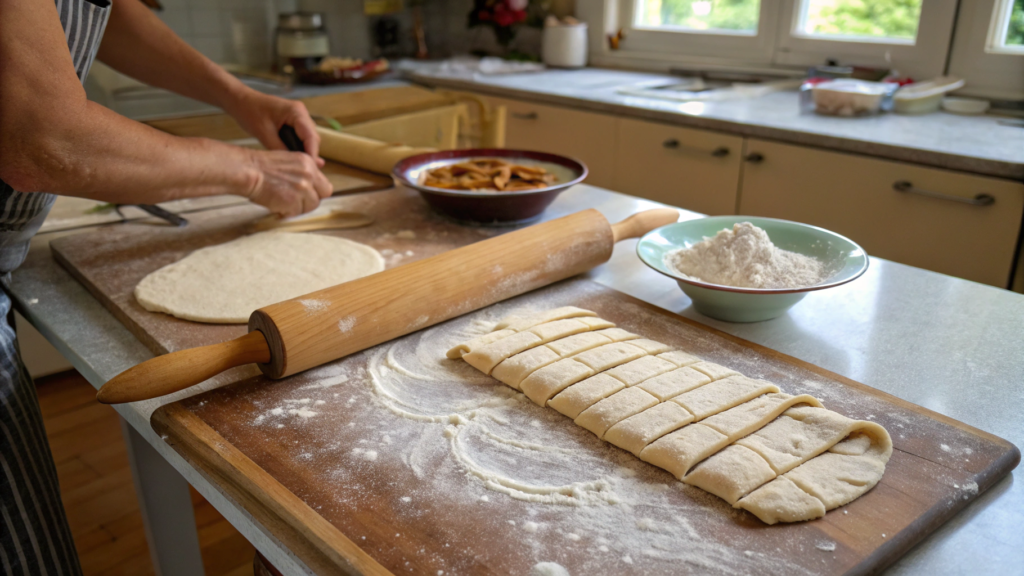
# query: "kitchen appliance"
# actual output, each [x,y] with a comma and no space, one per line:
[300,40]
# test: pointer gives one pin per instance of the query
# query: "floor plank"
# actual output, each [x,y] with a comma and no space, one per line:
[99,496]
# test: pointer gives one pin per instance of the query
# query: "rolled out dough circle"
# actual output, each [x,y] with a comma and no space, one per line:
[224,284]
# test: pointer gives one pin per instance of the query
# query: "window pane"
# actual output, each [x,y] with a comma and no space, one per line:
[1015,25]
[739,16]
[873,19]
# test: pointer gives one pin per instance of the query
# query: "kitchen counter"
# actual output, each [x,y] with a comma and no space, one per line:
[947,344]
[976,144]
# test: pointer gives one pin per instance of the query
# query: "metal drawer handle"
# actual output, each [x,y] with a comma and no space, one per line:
[755,158]
[524,115]
[980,199]
[674,144]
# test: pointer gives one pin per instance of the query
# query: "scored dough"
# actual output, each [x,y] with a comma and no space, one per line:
[553,378]
[674,383]
[619,406]
[784,458]
[637,431]
[636,371]
[224,284]
[731,473]
[583,395]
[722,394]
[803,432]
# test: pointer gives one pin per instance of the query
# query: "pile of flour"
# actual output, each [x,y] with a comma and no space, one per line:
[746,258]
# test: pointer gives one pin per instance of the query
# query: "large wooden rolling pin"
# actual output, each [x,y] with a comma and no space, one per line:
[365,153]
[288,337]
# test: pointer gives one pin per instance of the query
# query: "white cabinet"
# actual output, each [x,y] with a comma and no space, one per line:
[586,136]
[949,222]
[693,169]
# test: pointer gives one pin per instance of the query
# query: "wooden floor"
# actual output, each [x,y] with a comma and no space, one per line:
[96,487]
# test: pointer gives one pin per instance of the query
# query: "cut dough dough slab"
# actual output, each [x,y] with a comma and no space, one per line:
[784,458]
[224,284]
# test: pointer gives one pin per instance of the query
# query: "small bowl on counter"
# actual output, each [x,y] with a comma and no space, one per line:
[842,257]
[490,207]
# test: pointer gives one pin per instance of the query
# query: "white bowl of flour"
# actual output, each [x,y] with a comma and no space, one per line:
[748,269]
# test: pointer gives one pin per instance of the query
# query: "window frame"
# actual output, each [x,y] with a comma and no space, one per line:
[698,45]
[992,74]
[921,59]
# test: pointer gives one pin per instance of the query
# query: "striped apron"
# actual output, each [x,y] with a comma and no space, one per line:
[34,534]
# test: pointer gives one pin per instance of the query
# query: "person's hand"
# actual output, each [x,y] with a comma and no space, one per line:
[287,183]
[263,115]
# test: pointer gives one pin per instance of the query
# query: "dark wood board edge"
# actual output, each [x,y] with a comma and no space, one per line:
[900,544]
[138,331]
[317,542]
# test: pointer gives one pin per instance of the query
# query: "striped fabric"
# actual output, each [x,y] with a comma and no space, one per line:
[34,534]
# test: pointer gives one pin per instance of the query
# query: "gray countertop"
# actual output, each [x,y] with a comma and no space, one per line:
[950,345]
[975,144]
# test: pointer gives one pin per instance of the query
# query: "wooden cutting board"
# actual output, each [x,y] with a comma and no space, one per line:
[379,459]
[110,261]
[389,461]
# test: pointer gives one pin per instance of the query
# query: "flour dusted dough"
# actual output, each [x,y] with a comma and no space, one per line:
[224,284]
[585,394]
[784,458]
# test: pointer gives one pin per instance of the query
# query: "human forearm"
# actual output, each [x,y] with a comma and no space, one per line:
[95,153]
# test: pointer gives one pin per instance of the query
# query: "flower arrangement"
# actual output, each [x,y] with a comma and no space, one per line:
[503,16]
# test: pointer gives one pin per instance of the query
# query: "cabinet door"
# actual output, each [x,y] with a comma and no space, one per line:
[858,197]
[693,169]
[583,135]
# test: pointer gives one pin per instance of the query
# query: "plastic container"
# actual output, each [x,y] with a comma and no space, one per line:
[849,97]
[565,45]
[924,97]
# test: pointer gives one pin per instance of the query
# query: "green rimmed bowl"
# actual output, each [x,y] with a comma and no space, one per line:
[847,260]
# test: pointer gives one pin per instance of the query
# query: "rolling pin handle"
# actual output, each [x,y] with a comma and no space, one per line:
[179,370]
[643,222]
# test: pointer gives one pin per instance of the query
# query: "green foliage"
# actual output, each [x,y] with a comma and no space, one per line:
[879,18]
[1015,33]
[724,14]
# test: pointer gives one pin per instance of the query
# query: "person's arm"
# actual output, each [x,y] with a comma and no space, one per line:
[138,44]
[52,139]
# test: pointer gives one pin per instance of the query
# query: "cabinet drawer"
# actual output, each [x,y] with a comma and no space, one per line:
[583,135]
[693,169]
[930,224]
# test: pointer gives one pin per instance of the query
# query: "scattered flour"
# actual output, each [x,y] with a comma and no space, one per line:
[363,454]
[302,412]
[531,527]
[314,306]
[548,569]
[406,235]
[745,257]
[346,324]
[826,546]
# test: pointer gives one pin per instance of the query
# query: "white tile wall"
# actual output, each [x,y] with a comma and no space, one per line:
[227,31]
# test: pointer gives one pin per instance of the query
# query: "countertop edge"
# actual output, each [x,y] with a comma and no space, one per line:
[942,160]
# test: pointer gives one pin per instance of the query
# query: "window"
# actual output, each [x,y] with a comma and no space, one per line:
[988,49]
[718,16]
[893,21]
[911,36]
[1007,31]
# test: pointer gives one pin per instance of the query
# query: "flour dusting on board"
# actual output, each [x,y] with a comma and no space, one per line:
[445,442]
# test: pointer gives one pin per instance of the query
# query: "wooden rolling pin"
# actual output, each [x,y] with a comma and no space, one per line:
[365,153]
[289,337]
